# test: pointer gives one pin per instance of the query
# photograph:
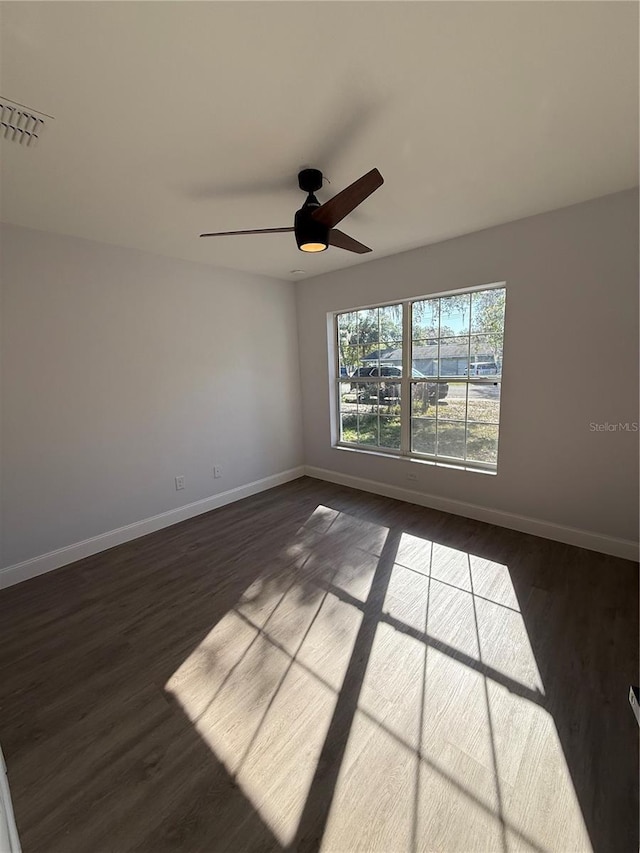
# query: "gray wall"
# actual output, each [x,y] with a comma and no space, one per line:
[572,282]
[121,370]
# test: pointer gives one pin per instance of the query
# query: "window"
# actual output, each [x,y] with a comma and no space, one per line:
[422,378]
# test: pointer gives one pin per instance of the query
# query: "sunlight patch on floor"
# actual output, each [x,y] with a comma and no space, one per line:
[449,733]
[451,736]
[373,805]
[264,715]
[261,688]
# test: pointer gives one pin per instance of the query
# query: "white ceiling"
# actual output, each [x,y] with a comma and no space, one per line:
[175,118]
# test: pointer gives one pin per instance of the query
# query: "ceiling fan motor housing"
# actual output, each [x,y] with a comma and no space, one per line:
[310,180]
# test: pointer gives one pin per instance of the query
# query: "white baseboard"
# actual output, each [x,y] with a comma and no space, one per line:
[625,548]
[70,553]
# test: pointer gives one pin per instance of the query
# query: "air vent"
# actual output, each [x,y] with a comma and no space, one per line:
[19,123]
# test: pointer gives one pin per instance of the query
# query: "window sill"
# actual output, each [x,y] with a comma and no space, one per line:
[381,454]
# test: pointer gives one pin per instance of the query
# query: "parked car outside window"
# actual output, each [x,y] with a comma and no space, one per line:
[483,368]
[435,390]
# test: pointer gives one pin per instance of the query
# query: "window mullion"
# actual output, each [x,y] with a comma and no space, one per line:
[405,383]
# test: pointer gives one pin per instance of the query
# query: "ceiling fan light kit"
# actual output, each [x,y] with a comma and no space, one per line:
[314,224]
[311,235]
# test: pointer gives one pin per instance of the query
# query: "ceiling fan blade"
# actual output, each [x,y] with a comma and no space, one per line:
[254,231]
[334,210]
[343,241]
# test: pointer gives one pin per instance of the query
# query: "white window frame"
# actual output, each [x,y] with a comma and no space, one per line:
[406,380]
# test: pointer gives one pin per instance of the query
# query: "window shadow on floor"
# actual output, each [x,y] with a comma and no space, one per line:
[536,594]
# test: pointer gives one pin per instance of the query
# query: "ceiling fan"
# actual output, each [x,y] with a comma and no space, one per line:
[314,224]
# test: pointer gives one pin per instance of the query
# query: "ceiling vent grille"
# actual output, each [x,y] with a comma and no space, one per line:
[19,123]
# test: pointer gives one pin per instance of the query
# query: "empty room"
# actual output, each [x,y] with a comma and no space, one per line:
[319,427]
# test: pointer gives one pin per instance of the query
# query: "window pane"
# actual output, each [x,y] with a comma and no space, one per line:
[424,358]
[369,360]
[348,398]
[484,403]
[347,328]
[455,315]
[348,413]
[420,399]
[349,428]
[487,311]
[423,435]
[451,439]
[368,326]
[424,397]
[482,443]
[485,355]
[367,397]
[368,429]
[389,409]
[365,361]
[425,319]
[452,404]
[454,356]
[348,358]
[389,398]
[390,431]
[391,359]
[390,324]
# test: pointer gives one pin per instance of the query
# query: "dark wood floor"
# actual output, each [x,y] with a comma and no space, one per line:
[315,668]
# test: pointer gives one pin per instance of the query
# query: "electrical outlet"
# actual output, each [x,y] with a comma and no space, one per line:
[180,482]
[217,471]
[412,477]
